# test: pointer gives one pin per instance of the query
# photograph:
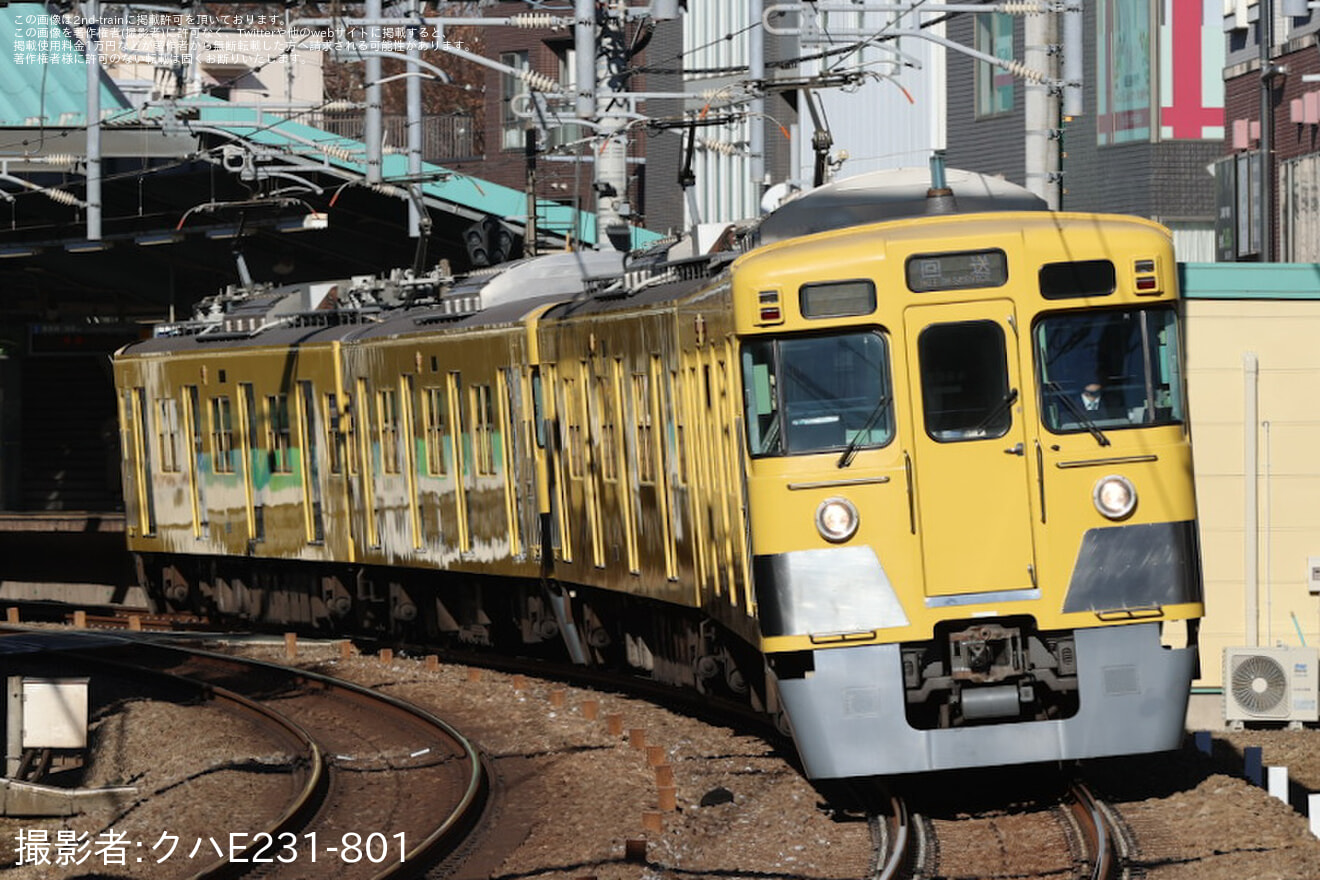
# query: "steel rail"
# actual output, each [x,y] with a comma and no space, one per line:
[900,842]
[1102,837]
[476,786]
[310,756]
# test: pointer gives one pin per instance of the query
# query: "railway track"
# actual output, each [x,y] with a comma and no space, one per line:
[378,788]
[1077,836]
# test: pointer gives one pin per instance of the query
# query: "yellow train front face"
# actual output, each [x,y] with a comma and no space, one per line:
[970,489]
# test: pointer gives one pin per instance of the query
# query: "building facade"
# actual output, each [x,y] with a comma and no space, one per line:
[1152,120]
[1281,222]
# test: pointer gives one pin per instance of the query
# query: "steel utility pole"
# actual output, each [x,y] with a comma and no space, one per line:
[1268,72]
[413,107]
[373,123]
[611,173]
[1042,108]
[92,10]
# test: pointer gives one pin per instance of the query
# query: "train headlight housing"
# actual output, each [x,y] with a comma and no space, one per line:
[1115,497]
[836,520]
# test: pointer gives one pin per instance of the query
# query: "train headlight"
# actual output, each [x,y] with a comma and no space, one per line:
[1114,496]
[836,519]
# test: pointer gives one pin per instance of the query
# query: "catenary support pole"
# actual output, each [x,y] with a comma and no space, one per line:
[93,11]
[373,123]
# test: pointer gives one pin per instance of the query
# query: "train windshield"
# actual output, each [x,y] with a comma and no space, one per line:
[807,394]
[1109,369]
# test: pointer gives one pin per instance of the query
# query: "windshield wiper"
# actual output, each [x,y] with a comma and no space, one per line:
[1079,414]
[1008,400]
[847,457]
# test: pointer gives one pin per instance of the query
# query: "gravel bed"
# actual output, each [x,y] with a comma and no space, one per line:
[572,795]
[198,771]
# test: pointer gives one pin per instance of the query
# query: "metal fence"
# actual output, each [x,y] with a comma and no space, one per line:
[444,138]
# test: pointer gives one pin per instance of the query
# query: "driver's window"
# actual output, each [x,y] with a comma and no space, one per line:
[965,391]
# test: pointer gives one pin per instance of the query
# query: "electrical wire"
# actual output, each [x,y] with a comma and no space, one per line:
[778,63]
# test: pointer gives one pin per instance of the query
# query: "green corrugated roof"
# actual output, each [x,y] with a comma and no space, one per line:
[45,85]
[1249,280]
[53,92]
[295,138]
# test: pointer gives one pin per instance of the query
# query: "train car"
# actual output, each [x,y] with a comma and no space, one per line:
[907,470]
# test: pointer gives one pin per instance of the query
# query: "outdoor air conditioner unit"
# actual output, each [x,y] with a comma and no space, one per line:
[1270,684]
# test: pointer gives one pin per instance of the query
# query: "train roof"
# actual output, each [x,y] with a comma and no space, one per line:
[371,307]
[581,282]
[309,314]
[892,194]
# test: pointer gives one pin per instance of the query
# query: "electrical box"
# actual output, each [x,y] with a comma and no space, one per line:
[55,713]
[1313,575]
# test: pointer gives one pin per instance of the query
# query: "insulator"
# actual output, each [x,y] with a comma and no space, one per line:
[1017,68]
[56,159]
[338,153]
[724,148]
[336,106]
[1024,8]
[59,195]
[389,189]
[537,20]
[538,81]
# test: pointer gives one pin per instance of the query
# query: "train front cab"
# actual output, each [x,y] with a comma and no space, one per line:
[957,561]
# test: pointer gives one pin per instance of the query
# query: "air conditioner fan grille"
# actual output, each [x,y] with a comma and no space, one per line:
[1259,684]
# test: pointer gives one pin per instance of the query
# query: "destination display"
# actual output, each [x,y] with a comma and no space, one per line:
[954,271]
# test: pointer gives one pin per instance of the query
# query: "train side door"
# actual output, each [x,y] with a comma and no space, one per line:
[969,468]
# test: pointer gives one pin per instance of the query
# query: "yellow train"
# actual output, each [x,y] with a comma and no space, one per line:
[919,485]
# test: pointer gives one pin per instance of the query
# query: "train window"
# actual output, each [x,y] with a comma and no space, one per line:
[1077,278]
[387,416]
[167,434]
[965,392]
[1109,369]
[334,437]
[680,427]
[434,404]
[352,453]
[222,436]
[315,517]
[278,439]
[538,409]
[956,271]
[837,299]
[256,494]
[483,419]
[573,422]
[192,419]
[809,394]
[138,450]
[641,401]
[609,447]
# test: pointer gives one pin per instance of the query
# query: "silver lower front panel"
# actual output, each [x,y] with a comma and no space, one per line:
[848,715]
